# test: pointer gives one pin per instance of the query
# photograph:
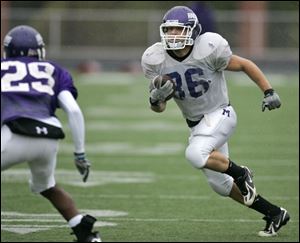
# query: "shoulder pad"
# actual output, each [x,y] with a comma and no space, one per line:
[206,44]
[154,55]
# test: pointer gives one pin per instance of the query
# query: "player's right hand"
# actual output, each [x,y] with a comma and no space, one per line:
[160,93]
[83,165]
[271,100]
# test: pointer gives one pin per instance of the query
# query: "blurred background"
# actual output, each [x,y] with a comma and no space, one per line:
[112,35]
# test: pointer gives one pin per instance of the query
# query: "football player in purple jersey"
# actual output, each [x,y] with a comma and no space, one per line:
[32,88]
[196,62]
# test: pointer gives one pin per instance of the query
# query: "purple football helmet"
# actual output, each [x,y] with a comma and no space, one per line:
[24,40]
[179,16]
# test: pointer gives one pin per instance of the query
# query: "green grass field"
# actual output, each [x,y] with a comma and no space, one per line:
[141,187]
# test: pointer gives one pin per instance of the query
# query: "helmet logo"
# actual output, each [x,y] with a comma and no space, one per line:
[7,40]
[39,39]
[192,16]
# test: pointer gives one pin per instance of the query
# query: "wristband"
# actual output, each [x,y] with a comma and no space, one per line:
[269,92]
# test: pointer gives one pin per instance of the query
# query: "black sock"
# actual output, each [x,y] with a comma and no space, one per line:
[263,206]
[234,170]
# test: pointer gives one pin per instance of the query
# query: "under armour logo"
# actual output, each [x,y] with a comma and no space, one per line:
[226,112]
[40,130]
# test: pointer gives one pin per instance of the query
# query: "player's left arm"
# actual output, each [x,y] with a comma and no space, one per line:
[271,99]
[77,126]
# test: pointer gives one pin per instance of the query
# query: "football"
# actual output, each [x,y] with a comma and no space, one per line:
[159,81]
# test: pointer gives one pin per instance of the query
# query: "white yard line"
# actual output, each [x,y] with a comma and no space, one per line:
[48,221]
[192,220]
[173,197]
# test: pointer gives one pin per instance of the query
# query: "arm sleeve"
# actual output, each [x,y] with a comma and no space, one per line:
[75,119]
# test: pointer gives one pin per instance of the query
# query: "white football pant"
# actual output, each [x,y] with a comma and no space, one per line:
[39,153]
[212,133]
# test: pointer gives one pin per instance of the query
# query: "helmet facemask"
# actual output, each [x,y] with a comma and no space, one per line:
[176,42]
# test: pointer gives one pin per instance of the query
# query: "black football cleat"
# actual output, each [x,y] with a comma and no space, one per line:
[274,223]
[83,230]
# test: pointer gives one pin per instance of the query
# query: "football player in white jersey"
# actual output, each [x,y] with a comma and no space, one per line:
[196,63]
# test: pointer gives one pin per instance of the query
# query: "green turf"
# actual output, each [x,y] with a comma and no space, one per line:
[126,140]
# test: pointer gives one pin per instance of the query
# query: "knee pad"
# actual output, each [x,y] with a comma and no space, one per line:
[196,156]
[222,190]
[219,182]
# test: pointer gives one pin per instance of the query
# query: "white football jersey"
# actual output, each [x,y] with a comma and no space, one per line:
[201,86]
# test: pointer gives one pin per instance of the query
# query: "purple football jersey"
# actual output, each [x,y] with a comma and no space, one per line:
[29,88]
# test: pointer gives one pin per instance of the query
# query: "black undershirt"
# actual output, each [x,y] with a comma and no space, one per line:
[179,59]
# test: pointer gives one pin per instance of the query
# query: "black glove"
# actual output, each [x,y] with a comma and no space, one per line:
[83,165]
[271,100]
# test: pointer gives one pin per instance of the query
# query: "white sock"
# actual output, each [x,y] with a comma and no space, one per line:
[75,220]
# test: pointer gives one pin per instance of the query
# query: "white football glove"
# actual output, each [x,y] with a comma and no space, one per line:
[271,100]
[83,165]
[161,92]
